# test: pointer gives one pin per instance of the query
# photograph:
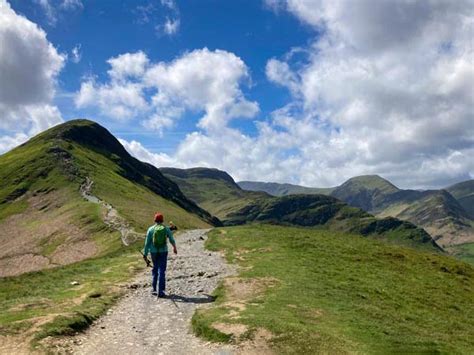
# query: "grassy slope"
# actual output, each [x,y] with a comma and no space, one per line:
[442,215]
[464,193]
[339,293]
[213,190]
[49,165]
[217,192]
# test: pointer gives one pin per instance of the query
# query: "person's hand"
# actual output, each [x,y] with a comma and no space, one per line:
[175,250]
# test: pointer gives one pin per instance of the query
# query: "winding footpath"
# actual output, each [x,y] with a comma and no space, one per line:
[111,217]
[144,324]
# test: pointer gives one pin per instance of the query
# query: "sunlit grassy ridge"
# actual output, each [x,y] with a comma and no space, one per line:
[340,293]
[39,188]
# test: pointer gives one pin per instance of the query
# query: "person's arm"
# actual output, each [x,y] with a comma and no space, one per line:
[169,233]
[146,249]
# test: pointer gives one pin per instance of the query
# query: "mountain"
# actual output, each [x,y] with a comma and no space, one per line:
[445,214]
[45,222]
[463,192]
[365,192]
[217,192]
[276,189]
[212,189]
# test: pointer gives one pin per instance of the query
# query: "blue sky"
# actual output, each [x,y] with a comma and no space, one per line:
[106,29]
[303,91]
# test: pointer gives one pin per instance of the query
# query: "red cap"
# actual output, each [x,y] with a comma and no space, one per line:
[158,217]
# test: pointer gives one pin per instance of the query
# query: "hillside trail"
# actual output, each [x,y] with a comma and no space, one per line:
[141,323]
[111,217]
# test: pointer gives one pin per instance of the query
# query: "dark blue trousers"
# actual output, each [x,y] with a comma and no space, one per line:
[159,271]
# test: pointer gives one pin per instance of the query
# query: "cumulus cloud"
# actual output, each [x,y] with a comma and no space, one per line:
[387,88]
[199,81]
[29,66]
[388,81]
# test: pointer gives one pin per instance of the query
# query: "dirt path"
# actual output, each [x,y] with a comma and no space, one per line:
[144,324]
[111,217]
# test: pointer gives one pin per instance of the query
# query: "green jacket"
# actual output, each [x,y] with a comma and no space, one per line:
[150,248]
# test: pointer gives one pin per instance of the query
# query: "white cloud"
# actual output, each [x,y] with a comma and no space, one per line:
[280,73]
[52,8]
[171,26]
[72,4]
[116,100]
[29,66]
[388,81]
[136,149]
[199,81]
[387,89]
[9,142]
[128,65]
[170,4]
[76,54]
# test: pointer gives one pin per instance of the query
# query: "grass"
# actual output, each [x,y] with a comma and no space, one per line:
[30,297]
[340,293]
[464,252]
[45,303]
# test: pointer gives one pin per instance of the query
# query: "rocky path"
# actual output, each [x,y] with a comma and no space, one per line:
[111,217]
[144,324]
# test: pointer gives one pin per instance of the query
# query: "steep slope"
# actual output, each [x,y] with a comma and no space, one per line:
[365,192]
[463,192]
[438,212]
[212,189]
[217,192]
[276,189]
[45,221]
[448,217]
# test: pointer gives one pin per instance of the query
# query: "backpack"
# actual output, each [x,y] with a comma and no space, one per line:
[159,236]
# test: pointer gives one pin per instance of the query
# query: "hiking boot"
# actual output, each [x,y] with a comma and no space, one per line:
[162,295]
[154,293]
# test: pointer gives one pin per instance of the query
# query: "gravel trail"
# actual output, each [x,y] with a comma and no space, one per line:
[144,324]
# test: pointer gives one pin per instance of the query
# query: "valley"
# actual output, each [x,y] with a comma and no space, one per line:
[315,273]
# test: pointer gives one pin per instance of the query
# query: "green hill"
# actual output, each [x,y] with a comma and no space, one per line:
[40,198]
[276,189]
[213,190]
[307,291]
[365,192]
[463,192]
[63,261]
[217,192]
[447,216]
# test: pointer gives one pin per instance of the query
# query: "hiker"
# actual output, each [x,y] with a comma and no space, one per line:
[156,243]
[173,227]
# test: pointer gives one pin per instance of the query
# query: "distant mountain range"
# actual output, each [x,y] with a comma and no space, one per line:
[217,192]
[447,214]
[45,222]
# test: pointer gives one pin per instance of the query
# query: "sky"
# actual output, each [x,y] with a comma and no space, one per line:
[308,92]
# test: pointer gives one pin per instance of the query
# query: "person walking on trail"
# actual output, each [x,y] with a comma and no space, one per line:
[156,243]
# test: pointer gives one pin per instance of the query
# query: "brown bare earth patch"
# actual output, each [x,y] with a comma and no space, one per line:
[14,345]
[236,330]
[259,343]
[239,293]
[240,289]
[25,236]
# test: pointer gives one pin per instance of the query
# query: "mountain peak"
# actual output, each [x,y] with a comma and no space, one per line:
[371,182]
[87,133]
